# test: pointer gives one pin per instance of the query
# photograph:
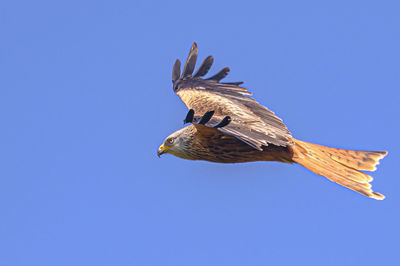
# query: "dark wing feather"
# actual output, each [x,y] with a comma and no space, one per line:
[204,67]
[237,83]
[190,61]
[250,122]
[220,75]
[176,71]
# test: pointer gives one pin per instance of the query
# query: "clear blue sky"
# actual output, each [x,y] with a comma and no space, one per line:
[86,99]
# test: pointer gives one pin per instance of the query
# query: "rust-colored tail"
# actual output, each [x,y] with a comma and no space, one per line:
[339,165]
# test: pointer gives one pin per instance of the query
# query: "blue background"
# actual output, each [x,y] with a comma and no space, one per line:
[86,99]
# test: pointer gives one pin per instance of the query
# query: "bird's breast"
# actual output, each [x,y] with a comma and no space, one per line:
[228,149]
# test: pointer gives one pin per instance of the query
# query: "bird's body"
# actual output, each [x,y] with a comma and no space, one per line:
[228,126]
[218,147]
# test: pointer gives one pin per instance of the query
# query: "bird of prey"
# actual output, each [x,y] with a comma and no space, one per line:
[228,126]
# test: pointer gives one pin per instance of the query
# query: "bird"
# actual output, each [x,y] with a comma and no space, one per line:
[227,125]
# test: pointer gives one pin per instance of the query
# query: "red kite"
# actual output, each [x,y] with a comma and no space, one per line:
[228,126]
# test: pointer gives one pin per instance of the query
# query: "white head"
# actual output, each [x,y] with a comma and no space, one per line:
[178,143]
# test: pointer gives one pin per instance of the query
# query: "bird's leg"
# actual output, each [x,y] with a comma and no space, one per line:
[189,117]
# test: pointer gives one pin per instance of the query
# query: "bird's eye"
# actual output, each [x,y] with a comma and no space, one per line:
[170,141]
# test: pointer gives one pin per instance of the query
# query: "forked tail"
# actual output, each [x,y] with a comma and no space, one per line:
[339,165]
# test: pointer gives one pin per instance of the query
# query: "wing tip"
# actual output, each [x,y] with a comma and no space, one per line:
[204,66]
[220,74]
[190,61]
[176,70]
[203,69]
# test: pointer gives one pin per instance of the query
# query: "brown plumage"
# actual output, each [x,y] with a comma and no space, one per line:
[228,126]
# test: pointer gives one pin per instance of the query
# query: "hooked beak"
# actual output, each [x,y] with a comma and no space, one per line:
[161,150]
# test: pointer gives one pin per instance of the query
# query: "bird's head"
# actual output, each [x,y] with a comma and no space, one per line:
[178,143]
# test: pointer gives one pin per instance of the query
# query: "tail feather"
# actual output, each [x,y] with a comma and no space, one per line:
[340,166]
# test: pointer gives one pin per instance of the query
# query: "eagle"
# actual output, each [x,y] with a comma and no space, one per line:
[226,125]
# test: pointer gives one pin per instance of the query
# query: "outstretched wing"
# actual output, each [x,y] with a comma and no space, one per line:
[250,122]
